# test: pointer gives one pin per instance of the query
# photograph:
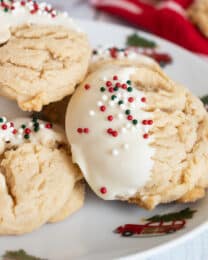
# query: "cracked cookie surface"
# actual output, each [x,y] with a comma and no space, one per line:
[40,64]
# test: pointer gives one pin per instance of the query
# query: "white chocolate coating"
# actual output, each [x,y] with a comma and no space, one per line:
[114,167]
[21,14]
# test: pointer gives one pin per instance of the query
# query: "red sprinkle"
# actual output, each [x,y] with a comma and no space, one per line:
[115,77]
[110,118]
[11,124]
[124,86]
[118,84]
[108,83]
[114,133]
[143,99]
[114,53]
[103,190]
[48,125]
[86,130]
[79,130]
[4,127]
[131,99]
[102,108]
[27,131]
[22,3]
[14,131]
[145,122]
[109,130]
[110,89]
[150,122]
[12,7]
[129,117]
[87,86]
[145,136]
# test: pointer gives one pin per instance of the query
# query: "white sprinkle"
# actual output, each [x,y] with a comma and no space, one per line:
[20,131]
[30,124]
[122,106]
[133,128]
[123,130]
[120,116]
[104,97]
[41,126]
[126,146]
[132,105]
[91,112]
[128,125]
[99,103]
[111,103]
[19,136]
[115,152]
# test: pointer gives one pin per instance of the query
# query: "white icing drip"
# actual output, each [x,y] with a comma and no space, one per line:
[121,164]
[21,15]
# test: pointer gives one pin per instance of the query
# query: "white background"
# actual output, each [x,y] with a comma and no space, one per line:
[197,247]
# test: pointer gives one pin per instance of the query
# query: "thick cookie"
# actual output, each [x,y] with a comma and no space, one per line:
[139,137]
[42,58]
[37,176]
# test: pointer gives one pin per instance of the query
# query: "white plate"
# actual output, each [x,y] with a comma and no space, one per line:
[89,233]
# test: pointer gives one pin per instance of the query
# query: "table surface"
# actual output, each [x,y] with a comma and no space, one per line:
[197,247]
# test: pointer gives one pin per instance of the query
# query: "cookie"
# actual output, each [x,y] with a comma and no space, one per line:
[37,176]
[43,55]
[198,14]
[137,136]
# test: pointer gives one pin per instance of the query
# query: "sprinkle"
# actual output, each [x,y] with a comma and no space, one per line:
[19,136]
[36,129]
[23,126]
[103,108]
[91,112]
[111,89]
[132,105]
[111,103]
[20,130]
[127,112]
[143,99]
[115,77]
[124,86]
[4,127]
[87,86]
[104,97]
[109,130]
[22,3]
[114,53]
[26,136]
[150,122]
[120,102]
[131,99]
[114,133]
[27,131]
[99,103]
[86,130]
[115,88]
[14,131]
[129,117]
[103,190]
[108,83]
[113,97]
[123,130]
[102,89]
[120,116]
[41,126]
[123,107]
[118,84]
[128,125]
[11,124]
[135,122]
[1,120]
[110,118]
[48,125]
[129,89]
[128,82]
[115,152]
[126,146]
[145,136]
[144,122]
[79,130]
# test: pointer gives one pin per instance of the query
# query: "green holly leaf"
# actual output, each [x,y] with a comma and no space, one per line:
[19,255]
[139,41]
[186,213]
[204,99]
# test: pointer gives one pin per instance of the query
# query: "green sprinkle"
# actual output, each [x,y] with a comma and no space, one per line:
[23,126]
[129,89]
[113,97]
[102,89]
[26,136]
[135,122]
[120,102]
[6,9]
[137,40]
[36,129]
[35,119]
[128,82]
[116,89]
[1,120]
[127,112]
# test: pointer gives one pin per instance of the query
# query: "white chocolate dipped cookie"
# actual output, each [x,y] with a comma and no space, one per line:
[43,55]
[38,181]
[139,137]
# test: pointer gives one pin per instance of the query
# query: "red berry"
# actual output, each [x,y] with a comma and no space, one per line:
[4,127]
[144,122]
[102,108]
[14,131]
[111,90]
[103,190]
[110,118]
[115,77]
[145,136]
[79,130]
[87,86]
[109,130]
[48,125]
[114,133]
[150,122]
[27,131]
[131,99]
[124,86]
[118,84]
[143,99]
[86,130]
[129,117]
[108,83]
